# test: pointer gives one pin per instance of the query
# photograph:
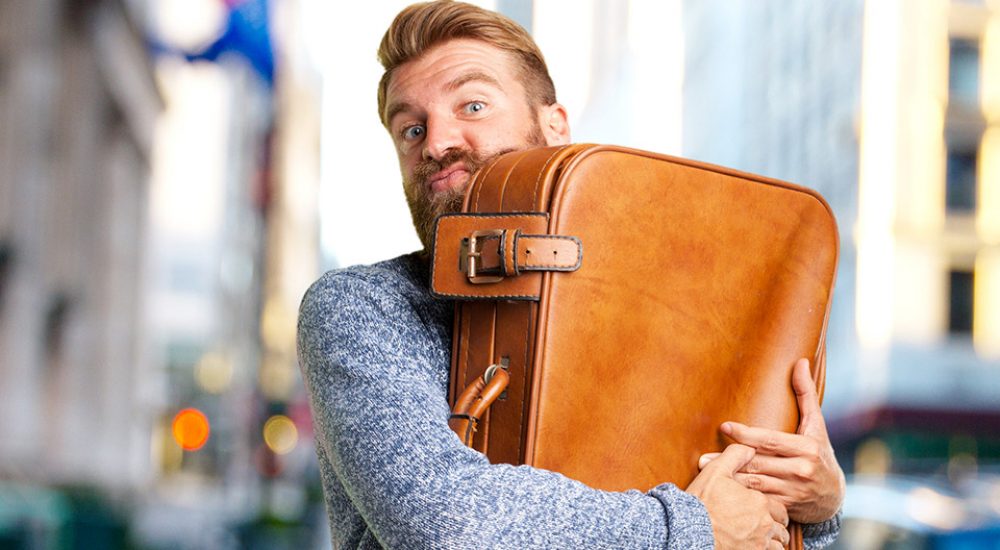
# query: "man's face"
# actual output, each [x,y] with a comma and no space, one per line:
[450,111]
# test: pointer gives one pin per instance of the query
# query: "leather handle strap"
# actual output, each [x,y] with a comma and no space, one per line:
[795,541]
[475,400]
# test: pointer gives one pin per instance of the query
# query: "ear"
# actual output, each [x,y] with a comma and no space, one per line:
[554,124]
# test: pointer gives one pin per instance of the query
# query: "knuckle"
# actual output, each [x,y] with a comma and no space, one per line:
[812,448]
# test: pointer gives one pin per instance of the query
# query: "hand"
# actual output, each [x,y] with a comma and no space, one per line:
[741,518]
[799,470]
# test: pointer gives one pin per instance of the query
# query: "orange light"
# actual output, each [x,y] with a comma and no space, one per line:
[191,429]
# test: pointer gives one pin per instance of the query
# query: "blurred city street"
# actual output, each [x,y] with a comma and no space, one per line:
[174,174]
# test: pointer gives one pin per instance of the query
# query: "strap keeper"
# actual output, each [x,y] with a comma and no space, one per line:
[508,252]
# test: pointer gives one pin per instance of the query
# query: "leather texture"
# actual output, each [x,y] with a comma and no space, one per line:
[695,290]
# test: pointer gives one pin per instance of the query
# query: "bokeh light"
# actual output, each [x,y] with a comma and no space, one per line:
[214,372]
[280,434]
[191,429]
[873,457]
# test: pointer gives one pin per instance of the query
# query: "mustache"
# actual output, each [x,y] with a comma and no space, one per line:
[427,168]
[472,161]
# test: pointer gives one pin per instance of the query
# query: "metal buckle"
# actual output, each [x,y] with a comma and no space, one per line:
[473,254]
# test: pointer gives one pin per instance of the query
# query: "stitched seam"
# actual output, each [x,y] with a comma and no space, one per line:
[506,180]
[545,167]
[467,326]
[488,297]
[479,189]
[502,215]
[524,394]
[437,252]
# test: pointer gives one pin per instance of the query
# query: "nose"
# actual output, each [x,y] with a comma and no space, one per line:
[442,136]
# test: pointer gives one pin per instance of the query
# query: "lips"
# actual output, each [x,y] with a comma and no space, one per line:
[449,178]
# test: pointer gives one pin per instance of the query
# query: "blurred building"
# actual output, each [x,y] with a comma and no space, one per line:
[157,229]
[78,104]
[890,109]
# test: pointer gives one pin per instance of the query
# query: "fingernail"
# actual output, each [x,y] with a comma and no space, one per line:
[727,428]
[703,461]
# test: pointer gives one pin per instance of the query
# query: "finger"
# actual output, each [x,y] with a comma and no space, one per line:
[768,485]
[706,458]
[807,397]
[777,511]
[779,533]
[772,442]
[776,466]
[733,458]
[775,545]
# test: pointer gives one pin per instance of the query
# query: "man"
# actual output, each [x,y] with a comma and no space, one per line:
[462,85]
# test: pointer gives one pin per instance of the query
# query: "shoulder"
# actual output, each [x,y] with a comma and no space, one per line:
[374,310]
[361,289]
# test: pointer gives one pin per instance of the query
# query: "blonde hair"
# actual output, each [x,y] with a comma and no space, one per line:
[421,26]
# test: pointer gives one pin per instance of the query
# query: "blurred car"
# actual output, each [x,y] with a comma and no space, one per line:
[921,513]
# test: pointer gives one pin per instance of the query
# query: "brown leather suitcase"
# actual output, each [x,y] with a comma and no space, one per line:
[626,304]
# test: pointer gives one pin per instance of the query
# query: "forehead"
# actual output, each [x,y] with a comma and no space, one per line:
[443,63]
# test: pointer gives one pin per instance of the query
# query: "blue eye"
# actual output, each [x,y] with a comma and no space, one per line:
[475,107]
[413,132]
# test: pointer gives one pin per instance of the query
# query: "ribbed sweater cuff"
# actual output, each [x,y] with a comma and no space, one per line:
[688,525]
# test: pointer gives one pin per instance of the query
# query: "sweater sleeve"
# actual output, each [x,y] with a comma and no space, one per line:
[821,535]
[380,412]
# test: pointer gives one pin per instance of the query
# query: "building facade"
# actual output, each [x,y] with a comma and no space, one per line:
[78,103]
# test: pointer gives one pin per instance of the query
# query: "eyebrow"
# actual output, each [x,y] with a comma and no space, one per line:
[474,76]
[394,109]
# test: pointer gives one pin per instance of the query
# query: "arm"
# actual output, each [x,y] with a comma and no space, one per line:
[380,412]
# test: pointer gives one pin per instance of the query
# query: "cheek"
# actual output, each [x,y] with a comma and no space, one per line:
[406,151]
[406,164]
[491,138]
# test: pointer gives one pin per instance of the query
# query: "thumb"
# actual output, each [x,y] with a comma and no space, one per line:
[807,397]
[733,459]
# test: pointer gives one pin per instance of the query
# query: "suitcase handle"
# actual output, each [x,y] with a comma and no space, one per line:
[475,400]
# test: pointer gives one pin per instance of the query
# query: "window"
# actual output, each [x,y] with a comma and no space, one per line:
[960,180]
[960,300]
[963,70]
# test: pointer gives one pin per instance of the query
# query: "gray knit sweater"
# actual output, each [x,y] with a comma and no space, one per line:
[374,350]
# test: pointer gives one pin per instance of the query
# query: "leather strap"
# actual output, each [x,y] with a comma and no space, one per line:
[511,252]
[498,256]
